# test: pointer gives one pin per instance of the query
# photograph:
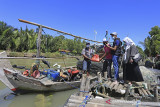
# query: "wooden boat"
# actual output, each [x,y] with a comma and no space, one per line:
[15,80]
[21,82]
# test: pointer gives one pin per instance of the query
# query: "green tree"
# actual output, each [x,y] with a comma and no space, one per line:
[152,42]
[25,40]
[140,50]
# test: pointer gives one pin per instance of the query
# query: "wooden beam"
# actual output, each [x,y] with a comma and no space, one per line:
[39,41]
[24,21]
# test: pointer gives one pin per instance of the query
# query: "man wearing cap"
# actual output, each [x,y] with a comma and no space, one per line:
[116,52]
[87,53]
[108,60]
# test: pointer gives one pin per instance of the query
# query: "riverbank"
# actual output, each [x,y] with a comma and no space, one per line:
[33,54]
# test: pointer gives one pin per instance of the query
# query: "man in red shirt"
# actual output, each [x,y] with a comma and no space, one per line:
[108,60]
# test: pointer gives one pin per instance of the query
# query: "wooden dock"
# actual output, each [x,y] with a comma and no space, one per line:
[104,93]
[78,101]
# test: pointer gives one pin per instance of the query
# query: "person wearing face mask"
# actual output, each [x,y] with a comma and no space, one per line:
[108,61]
[132,71]
[87,53]
[116,52]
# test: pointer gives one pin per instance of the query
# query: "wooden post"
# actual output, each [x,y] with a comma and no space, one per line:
[127,92]
[156,94]
[83,84]
[39,41]
[87,87]
[99,77]
[105,75]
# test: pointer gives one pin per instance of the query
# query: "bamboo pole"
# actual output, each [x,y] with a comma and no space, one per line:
[112,85]
[24,21]
[115,87]
[145,93]
[108,84]
[140,92]
[119,88]
[149,93]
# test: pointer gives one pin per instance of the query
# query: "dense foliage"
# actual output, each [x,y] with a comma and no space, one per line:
[20,40]
[25,40]
[152,42]
[140,51]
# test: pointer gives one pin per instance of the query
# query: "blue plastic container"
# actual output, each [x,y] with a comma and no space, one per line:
[45,72]
[53,75]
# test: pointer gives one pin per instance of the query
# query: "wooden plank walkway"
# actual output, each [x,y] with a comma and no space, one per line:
[104,93]
[78,101]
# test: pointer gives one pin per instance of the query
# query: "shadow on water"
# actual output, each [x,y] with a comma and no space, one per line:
[6,97]
[10,96]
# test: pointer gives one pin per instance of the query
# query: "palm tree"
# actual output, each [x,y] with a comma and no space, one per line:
[147,45]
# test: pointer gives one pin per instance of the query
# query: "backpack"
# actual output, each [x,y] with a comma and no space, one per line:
[120,50]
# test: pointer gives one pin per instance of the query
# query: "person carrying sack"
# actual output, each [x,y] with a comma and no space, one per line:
[87,53]
[131,58]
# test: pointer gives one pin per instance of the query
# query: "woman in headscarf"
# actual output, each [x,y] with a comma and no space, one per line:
[132,71]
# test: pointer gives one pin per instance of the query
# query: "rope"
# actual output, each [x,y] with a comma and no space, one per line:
[138,102]
[85,101]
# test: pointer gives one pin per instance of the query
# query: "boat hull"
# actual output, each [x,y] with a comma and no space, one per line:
[3,78]
[21,82]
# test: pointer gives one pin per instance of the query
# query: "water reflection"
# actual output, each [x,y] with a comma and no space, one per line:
[47,99]
[43,99]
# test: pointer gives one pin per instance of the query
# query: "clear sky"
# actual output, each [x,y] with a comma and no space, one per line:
[134,18]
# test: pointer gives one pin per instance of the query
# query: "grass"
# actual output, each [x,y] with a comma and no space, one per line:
[63,61]
[1,50]
[28,62]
